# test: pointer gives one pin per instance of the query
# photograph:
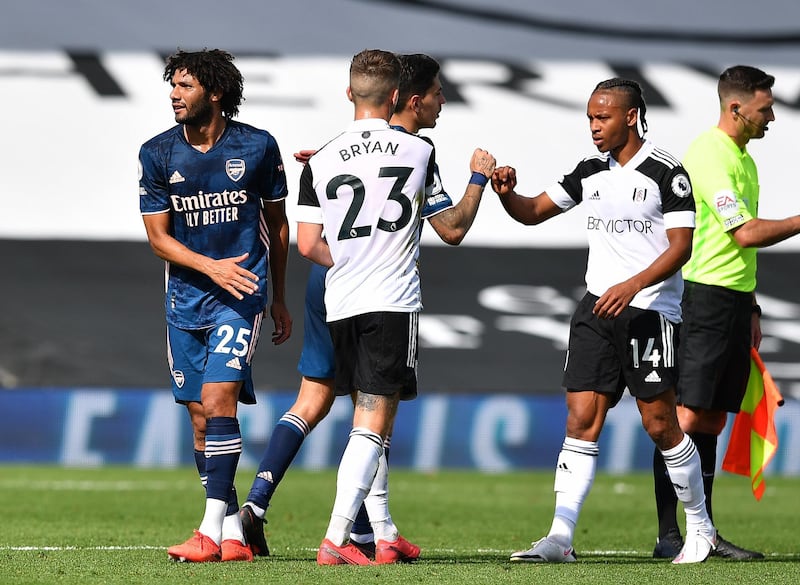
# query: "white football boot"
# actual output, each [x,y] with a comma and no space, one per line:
[545,550]
[698,545]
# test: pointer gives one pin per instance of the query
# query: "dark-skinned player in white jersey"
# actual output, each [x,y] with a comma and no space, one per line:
[640,219]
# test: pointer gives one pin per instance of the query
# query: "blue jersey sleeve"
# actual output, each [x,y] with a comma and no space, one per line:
[276,188]
[153,183]
[438,200]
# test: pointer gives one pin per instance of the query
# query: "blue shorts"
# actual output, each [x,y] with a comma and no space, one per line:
[222,353]
[316,358]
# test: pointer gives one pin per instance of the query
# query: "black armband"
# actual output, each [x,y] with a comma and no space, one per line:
[757,310]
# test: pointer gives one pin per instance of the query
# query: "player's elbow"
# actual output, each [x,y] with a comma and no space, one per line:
[749,235]
[157,248]
[745,239]
[309,239]
[526,218]
[453,237]
[526,214]
[305,248]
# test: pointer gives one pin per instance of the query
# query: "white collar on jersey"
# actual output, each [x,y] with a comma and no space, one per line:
[368,124]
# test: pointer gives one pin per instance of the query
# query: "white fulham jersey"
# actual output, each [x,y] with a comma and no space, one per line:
[628,212]
[367,187]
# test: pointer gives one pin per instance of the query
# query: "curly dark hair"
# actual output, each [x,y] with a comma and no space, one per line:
[215,71]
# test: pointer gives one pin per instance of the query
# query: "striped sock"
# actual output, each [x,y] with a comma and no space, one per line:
[200,463]
[223,447]
[575,471]
[285,442]
[683,466]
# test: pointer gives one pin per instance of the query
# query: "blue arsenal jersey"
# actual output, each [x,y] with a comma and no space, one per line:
[216,205]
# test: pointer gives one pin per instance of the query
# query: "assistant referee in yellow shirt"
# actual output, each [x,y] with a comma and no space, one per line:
[720,312]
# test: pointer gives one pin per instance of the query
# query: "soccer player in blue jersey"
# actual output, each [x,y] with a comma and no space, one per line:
[211,194]
[419,105]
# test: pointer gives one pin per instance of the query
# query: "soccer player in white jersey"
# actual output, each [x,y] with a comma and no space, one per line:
[364,190]
[419,105]
[640,219]
[212,192]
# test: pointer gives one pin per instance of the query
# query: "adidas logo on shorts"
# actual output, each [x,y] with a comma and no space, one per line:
[234,363]
[653,377]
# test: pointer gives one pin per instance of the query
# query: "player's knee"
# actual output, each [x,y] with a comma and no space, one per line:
[585,428]
[320,411]
[664,431]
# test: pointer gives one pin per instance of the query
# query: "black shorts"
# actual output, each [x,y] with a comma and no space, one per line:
[635,350]
[714,353]
[376,353]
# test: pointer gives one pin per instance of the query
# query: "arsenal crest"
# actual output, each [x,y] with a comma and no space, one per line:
[234,167]
[179,378]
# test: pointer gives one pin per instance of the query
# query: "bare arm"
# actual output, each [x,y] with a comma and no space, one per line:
[278,229]
[454,223]
[616,298]
[225,272]
[312,245]
[526,210]
[760,233]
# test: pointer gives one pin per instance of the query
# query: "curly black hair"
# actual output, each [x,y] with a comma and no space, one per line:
[215,71]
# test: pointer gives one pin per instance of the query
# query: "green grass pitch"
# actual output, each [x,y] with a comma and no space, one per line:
[112,525]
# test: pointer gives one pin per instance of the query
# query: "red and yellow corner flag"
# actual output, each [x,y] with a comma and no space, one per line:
[753,439]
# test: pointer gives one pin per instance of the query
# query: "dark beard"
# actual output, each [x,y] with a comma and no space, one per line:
[199,117]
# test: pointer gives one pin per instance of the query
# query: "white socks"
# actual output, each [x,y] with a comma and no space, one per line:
[683,466]
[577,463]
[232,528]
[377,503]
[357,471]
[213,518]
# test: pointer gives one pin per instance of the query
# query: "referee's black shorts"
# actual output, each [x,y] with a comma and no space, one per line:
[714,349]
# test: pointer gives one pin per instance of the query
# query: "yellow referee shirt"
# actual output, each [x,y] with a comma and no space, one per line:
[725,183]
